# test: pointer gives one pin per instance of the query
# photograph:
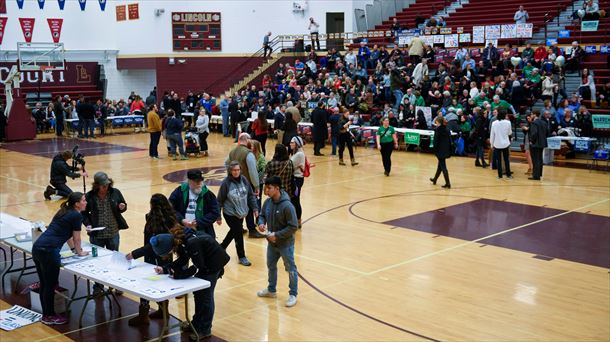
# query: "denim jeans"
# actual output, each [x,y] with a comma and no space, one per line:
[334,141]
[287,255]
[225,124]
[498,161]
[204,305]
[62,189]
[398,95]
[47,262]
[175,139]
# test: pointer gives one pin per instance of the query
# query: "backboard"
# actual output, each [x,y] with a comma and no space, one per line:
[41,56]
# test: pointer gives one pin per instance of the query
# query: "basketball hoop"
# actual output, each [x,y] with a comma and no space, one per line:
[46,68]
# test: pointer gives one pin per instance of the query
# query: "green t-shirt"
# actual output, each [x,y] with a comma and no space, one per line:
[385,135]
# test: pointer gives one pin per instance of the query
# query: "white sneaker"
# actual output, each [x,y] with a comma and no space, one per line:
[292,301]
[266,293]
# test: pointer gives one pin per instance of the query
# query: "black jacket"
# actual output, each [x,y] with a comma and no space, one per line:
[539,131]
[319,118]
[91,215]
[481,127]
[60,170]
[207,208]
[205,253]
[442,142]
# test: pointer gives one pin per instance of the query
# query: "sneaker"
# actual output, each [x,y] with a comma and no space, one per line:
[193,336]
[48,192]
[292,301]
[54,320]
[184,158]
[255,235]
[509,177]
[267,293]
[244,261]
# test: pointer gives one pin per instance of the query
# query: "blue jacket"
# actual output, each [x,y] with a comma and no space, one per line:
[173,126]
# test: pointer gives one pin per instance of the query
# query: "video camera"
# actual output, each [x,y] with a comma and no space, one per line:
[77,158]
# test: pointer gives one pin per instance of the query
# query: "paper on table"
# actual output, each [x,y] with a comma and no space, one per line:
[118,261]
[96,229]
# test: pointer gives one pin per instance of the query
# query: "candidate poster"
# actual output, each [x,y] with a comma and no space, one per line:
[478,34]
[451,40]
[492,32]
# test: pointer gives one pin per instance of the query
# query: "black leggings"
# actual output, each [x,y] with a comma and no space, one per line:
[263,140]
[296,199]
[345,138]
[62,189]
[47,267]
[386,155]
[236,225]
[203,141]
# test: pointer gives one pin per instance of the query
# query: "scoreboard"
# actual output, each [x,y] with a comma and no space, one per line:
[196,31]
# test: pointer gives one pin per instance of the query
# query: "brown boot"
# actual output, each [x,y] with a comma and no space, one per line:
[159,313]
[354,162]
[341,162]
[141,318]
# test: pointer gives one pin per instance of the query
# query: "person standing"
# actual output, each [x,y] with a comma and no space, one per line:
[539,131]
[236,199]
[65,227]
[260,127]
[59,171]
[345,138]
[500,141]
[299,160]
[266,46]
[279,221]
[386,143]
[58,109]
[173,134]
[208,259]
[314,30]
[442,150]
[521,16]
[195,205]
[224,112]
[247,162]
[319,118]
[203,129]
[159,220]
[154,129]
[481,132]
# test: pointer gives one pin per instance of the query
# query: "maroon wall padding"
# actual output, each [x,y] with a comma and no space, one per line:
[213,75]
[20,125]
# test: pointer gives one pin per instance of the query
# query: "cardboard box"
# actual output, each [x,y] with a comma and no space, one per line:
[60,301]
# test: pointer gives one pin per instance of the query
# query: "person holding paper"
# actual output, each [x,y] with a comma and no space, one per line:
[105,208]
[207,259]
[65,227]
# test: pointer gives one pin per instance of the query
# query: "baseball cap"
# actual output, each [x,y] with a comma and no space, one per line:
[195,174]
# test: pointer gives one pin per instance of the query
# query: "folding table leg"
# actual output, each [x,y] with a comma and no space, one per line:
[10,266]
[87,299]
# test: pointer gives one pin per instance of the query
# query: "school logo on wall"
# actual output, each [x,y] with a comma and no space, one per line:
[82,75]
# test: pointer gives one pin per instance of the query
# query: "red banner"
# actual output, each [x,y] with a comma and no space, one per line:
[2,6]
[27,26]
[121,12]
[55,26]
[2,27]
[134,11]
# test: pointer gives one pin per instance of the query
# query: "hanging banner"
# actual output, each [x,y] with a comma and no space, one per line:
[102,5]
[27,26]
[601,121]
[2,6]
[41,4]
[134,11]
[20,4]
[439,39]
[465,38]
[589,25]
[121,13]
[603,49]
[2,27]
[412,138]
[82,4]
[55,26]
[509,31]
[564,34]
[492,32]
[451,40]
[525,30]
[478,34]
[428,40]
[61,3]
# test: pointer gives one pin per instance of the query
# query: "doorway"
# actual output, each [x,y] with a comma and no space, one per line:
[335,23]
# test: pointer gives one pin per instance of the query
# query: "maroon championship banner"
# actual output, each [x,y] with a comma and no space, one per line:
[134,11]
[75,74]
[121,13]
[2,27]
[55,27]
[27,26]
[2,6]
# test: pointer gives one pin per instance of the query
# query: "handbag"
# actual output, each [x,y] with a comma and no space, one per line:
[307,169]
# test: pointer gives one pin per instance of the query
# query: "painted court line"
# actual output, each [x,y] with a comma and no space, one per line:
[442,251]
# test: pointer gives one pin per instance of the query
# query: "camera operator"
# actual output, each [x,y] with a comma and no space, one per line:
[60,170]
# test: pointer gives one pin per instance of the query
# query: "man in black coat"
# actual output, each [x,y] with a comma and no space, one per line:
[236,117]
[58,110]
[539,131]
[59,171]
[319,118]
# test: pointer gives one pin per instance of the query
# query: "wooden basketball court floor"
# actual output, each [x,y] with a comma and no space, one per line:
[379,258]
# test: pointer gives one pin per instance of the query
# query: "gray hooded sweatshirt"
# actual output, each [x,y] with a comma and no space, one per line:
[236,197]
[281,219]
